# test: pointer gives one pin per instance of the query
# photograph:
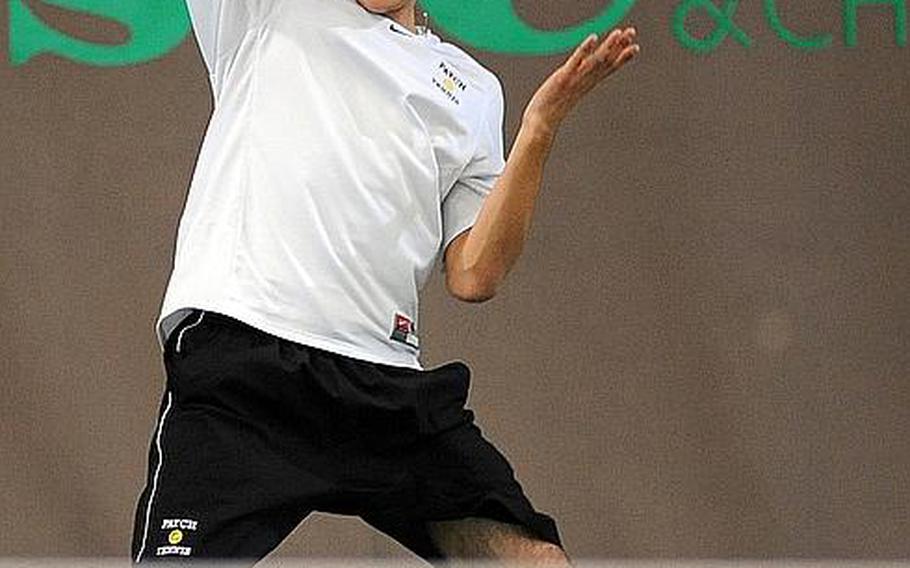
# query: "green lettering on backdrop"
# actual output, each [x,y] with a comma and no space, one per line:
[493,25]
[156,27]
[900,19]
[784,33]
[723,25]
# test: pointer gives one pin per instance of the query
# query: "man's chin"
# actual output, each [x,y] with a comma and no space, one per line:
[379,7]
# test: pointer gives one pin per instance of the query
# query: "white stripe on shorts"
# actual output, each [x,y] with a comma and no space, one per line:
[148,508]
[180,335]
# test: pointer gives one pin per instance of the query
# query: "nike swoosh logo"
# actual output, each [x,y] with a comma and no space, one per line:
[397,31]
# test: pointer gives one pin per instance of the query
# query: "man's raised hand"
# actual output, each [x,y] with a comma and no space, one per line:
[591,62]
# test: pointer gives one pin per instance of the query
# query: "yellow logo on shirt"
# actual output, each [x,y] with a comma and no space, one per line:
[449,82]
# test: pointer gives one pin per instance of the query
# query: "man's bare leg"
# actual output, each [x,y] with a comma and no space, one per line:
[496,542]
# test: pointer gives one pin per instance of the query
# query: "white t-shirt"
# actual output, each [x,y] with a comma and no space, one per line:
[343,155]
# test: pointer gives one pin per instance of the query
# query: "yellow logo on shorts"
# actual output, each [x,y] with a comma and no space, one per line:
[175,537]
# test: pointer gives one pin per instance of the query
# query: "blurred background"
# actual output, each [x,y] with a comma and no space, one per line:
[703,353]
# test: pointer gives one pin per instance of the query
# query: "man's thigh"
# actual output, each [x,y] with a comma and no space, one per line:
[469,539]
[463,479]
[488,539]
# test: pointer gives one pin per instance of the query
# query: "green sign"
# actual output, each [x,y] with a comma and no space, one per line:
[725,26]
[493,25]
[156,27]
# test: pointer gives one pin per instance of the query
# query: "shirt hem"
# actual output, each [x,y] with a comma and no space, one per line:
[242,313]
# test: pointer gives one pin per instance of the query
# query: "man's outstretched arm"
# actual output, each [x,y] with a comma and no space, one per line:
[478,260]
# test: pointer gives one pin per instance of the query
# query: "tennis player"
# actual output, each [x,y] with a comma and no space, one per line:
[349,150]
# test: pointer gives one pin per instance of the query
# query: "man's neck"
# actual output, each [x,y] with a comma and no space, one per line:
[404,16]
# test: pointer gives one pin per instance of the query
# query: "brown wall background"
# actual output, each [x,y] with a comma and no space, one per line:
[703,352]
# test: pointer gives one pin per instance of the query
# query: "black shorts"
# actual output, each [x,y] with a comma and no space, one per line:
[255,432]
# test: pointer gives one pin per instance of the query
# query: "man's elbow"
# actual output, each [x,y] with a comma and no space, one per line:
[472,288]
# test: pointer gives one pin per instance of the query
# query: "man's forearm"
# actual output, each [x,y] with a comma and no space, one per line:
[478,262]
[497,238]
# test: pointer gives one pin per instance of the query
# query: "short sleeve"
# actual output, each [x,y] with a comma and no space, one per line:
[219,27]
[204,15]
[465,199]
